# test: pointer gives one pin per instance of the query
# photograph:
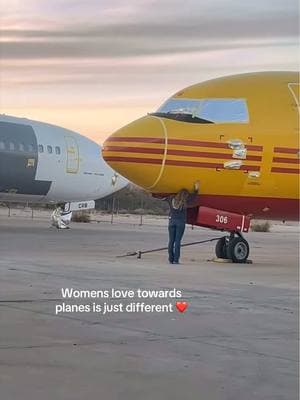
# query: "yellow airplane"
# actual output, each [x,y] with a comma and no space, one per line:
[237,135]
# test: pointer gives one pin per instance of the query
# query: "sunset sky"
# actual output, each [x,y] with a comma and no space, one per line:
[95,65]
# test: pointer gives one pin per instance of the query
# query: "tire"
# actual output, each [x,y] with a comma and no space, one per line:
[238,250]
[220,249]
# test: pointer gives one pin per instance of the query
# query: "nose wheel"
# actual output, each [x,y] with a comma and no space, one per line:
[221,247]
[235,248]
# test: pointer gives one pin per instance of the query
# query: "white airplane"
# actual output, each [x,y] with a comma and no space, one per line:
[43,163]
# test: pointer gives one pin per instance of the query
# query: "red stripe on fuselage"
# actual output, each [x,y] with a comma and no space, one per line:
[208,165]
[129,150]
[182,163]
[287,150]
[185,153]
[134,160]
[209,144]
[286,160]
[183,142]
[285,170]
[135,139]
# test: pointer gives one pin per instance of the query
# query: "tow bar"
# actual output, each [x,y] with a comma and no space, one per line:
[140,252]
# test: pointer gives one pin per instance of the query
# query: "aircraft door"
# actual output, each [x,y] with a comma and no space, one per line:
[72,166]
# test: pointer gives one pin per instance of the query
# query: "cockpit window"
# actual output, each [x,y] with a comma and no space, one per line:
[216,111]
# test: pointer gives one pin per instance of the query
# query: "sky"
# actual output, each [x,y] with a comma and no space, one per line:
[95,65]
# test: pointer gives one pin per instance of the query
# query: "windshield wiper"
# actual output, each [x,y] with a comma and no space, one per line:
[183,117]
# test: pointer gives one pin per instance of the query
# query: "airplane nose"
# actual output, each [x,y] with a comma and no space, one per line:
[138,151]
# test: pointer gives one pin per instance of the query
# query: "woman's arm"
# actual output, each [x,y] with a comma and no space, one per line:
[192,200]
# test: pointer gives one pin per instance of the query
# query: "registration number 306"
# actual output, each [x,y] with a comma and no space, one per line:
[221,219]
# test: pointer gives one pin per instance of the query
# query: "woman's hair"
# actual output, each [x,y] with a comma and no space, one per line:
[180,200]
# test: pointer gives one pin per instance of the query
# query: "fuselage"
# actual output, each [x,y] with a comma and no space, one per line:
[238,136]
[44,163]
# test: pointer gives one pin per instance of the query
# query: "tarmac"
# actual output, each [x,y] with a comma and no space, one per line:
[236,340]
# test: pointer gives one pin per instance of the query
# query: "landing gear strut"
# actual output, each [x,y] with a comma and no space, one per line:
[233,247]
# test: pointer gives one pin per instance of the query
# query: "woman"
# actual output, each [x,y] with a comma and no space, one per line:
[177,220]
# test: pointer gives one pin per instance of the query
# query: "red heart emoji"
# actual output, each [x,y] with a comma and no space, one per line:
[181,306]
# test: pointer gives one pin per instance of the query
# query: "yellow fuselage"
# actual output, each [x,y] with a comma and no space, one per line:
[247,166]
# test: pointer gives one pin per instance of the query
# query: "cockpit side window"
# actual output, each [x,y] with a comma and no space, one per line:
[216,111]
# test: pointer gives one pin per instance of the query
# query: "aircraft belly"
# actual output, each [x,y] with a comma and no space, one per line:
[21,198]
[72,188]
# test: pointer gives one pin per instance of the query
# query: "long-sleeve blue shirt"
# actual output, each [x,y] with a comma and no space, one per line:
[178,215]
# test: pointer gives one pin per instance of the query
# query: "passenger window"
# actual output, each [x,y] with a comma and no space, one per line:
[57,150]
[49,149]
[41,148]
[2,146]
[30,147]
[21,147]
[11,146]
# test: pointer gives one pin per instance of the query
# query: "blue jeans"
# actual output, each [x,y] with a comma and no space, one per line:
[176,230]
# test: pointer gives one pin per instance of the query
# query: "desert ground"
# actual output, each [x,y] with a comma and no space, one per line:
[237,339]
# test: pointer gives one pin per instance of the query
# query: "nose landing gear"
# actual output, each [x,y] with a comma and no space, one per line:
[233,247]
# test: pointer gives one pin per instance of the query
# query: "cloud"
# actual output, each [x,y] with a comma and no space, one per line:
[148,27]
[195,28]
[37,50]
[132,54]
[140,40]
